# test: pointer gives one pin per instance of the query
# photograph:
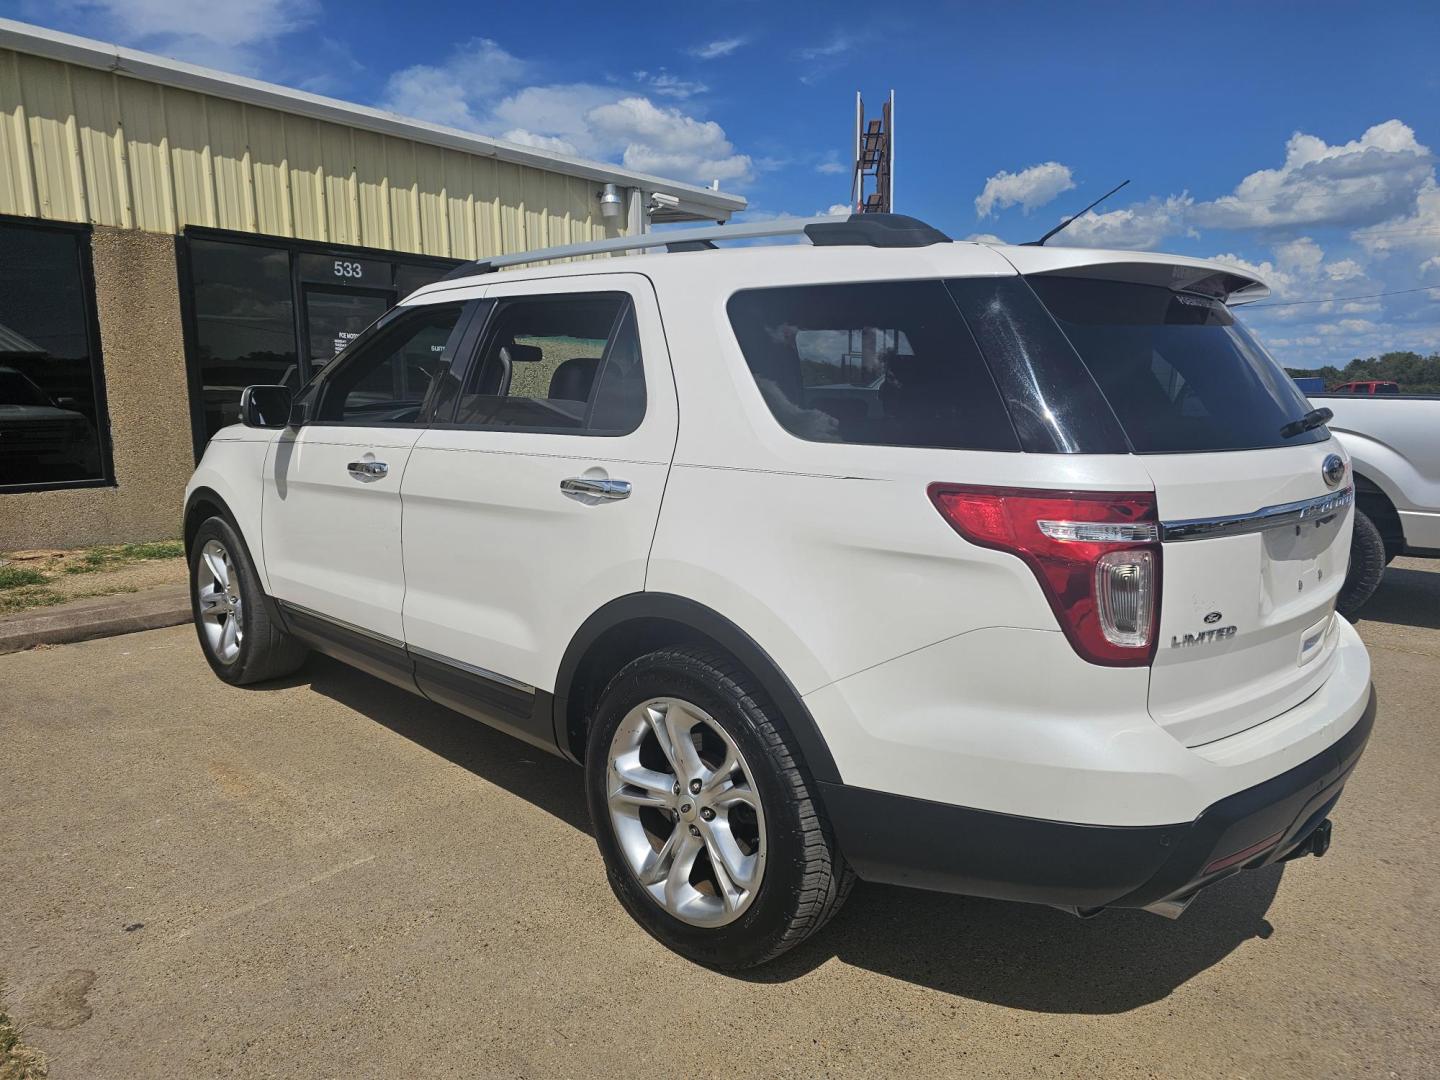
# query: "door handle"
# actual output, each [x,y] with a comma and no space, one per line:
[368,470]
[581,488]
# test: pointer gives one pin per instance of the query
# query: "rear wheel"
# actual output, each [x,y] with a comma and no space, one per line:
[1367,567]
[239,639]
[712,837]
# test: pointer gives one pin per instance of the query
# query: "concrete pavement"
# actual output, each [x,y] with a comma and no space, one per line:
[331,878]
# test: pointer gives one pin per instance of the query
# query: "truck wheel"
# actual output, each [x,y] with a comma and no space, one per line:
[1367,566]
[239,639]
[712,836]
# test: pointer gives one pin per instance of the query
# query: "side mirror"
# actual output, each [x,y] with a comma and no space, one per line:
[265,406]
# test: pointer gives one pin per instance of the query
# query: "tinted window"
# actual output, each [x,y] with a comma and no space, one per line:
[1177,369]
[1054,403]
[385,379]
[569,363]
[52,423]
[244,323]
[881,363]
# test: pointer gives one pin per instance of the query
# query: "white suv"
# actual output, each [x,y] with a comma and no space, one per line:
[1007,571]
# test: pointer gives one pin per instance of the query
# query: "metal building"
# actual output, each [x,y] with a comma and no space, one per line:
[170,234]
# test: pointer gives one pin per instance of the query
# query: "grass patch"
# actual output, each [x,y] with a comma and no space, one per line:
[18,1061]
[108,558]
[25,599]
[14,577]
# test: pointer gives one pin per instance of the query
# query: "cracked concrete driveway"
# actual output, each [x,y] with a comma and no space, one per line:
[330,878]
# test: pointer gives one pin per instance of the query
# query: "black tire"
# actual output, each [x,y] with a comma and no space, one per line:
[1367,567]
[805,879]
[265,650]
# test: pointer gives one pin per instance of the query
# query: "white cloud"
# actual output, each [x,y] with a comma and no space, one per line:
[1299,272]
[481,87]
[837,208]
[668,142]
[1027,188]
[1358,182]
[713,50]
[833,166]
[1139,227]
[671,86]
[817,61]
[983,238]
[1381,185]
[449,93]
[553,143]
[1417,232]
[227,36]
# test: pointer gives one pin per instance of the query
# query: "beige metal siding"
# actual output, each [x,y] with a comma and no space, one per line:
[78,144]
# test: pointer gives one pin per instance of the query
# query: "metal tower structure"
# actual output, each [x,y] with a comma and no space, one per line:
[872,188]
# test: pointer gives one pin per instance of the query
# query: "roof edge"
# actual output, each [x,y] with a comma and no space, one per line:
[106,56]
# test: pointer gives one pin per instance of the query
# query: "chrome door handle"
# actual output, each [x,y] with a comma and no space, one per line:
[580,488]
[368,470]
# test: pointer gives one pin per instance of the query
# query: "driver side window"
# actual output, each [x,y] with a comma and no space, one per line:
[559,364]
[385,379]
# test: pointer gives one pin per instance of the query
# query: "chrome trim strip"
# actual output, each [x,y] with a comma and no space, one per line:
[301,609]
[1317,510]
[473,669]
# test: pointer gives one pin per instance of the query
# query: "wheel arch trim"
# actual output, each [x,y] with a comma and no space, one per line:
[705,621]
[209,495]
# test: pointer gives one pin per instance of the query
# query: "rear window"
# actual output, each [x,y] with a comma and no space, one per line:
[1179,372]
[878,363]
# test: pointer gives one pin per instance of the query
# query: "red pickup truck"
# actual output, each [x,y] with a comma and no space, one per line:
[1366,388]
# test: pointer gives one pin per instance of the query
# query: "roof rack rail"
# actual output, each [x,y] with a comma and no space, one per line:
[855,230]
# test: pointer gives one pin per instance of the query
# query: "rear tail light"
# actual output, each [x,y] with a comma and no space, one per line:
[1095,554]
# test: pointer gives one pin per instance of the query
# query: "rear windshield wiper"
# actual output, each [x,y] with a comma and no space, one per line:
[1311,420]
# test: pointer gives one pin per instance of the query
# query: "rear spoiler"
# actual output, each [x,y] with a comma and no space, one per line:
[1205,277]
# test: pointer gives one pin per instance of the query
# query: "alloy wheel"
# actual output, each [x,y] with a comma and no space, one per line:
[217,590]
[685,812]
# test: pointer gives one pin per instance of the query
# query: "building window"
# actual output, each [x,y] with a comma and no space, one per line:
[53,428]
[271,310]
[244,314]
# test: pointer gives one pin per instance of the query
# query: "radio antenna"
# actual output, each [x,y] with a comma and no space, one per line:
[1066,223]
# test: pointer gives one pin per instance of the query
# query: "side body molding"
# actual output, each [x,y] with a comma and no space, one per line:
[651,607]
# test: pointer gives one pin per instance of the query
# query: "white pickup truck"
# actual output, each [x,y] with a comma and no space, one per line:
[1394,447]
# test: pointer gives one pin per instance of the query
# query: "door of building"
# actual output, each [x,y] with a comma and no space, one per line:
[336,314]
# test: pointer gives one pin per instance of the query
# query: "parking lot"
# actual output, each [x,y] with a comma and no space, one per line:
[333,878]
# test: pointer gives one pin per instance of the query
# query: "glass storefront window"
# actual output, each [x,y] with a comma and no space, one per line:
[244,323]
[252,305]
[52,417]
[410,276]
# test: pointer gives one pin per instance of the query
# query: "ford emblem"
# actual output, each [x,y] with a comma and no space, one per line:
[1333,470]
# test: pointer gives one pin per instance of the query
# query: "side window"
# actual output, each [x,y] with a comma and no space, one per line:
[564,364]
[385,379]
[887,363]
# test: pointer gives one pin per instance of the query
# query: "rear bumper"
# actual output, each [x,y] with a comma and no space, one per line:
[907,841]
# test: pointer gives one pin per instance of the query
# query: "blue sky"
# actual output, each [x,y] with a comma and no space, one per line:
[1295,139]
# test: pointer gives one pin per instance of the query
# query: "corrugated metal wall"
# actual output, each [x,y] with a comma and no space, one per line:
[77,144]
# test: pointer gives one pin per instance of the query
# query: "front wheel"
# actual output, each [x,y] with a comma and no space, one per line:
[239,639]
[712,837]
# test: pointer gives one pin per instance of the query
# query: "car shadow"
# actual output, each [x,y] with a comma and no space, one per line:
[546,781]
[1040,959]
[1019,955]
[1406,597]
